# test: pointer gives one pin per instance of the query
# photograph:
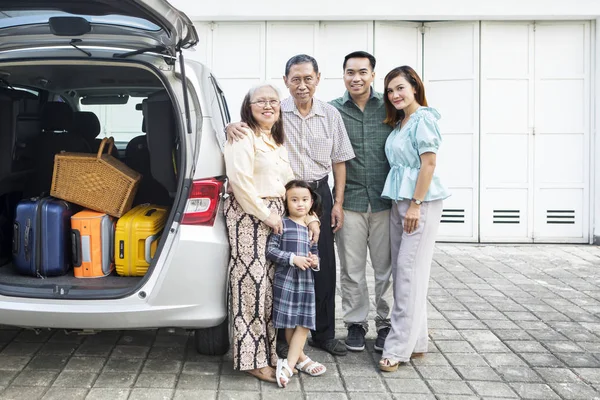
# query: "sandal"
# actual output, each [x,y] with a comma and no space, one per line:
[332,346]
[309,366]
[387,365]
[263,374]
[280,373]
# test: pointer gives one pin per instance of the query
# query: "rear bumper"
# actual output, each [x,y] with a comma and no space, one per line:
[186,290]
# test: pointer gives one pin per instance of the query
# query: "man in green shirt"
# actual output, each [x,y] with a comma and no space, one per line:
[366,214]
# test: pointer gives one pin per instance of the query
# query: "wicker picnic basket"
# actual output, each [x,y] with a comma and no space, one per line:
[96,181]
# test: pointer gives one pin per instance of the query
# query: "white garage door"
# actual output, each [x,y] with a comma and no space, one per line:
[535,131]
[496,196]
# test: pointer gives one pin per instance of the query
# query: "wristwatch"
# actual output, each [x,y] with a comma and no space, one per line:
[416,201]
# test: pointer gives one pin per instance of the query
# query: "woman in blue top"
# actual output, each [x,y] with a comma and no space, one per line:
[415,217]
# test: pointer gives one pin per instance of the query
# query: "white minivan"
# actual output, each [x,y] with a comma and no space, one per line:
[74,71]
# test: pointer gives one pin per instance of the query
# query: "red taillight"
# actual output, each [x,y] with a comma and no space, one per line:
[203,202]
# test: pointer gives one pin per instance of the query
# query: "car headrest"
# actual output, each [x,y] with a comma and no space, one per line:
[56,116]
[86,124]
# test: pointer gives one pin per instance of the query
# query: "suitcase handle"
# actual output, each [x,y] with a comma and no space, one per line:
[111,143]
[75,247]
[150,212]
[148,247]
[15,241]
[26,239]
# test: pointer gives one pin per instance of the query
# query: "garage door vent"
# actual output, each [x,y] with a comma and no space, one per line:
[507,217]
[560,216]
[453,216]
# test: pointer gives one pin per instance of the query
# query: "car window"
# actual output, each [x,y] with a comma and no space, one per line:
[121,121]
[220,111]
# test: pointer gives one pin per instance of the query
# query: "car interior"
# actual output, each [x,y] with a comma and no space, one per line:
[41,115]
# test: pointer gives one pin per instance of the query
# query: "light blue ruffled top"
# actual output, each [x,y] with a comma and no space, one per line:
[403,148]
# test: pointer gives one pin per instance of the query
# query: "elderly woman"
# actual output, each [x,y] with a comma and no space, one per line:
[258,169]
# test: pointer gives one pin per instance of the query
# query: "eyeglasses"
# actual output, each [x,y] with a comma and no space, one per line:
[262,103]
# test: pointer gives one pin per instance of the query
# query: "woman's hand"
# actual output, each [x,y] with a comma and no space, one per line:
[314,230]
[411,220]
[274,222]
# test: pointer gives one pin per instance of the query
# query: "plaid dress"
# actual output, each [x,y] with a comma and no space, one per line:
[293,288]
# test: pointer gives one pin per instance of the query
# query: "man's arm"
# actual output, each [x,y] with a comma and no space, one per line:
[339,179]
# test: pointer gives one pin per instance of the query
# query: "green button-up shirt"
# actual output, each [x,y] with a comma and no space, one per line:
[366,173]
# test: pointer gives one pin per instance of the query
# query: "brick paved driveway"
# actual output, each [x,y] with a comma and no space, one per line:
[506,322]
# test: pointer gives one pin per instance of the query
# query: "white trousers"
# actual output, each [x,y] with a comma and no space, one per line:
[412,255]
[362,231]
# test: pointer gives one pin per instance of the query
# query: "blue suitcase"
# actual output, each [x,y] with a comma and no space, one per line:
[41,237]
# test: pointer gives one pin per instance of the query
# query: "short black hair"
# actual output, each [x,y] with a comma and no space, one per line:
[301,59]
[360,54]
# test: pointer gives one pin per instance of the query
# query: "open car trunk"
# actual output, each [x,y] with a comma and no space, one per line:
[39,117]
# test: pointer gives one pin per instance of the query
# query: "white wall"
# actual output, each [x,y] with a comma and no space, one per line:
[423,10]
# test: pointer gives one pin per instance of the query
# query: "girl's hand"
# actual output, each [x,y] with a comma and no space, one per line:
[411,220]
[274,222]
[302,262]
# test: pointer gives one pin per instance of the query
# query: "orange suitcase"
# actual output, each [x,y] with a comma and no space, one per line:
[93,238]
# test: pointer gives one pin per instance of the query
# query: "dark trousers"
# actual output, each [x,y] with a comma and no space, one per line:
[325,278]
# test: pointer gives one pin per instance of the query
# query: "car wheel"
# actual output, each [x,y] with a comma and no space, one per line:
[213,341]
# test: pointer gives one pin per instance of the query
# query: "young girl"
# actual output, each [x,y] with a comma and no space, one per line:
[293,288]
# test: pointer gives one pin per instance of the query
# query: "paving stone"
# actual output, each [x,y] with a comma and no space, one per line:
[478,373]
[562,375]
[242,382]
[519,374]
[578,360]
[65,394]
[137,338]
[150,394]
[201,368]
[130,351]
[75,379]
[23,393]
[591,375]
[466,359]
[575,391]
[167,353]
[62,349]
[367,396]
[188,394]
[35,378]
[123,365]
[436,372]
[29,335]
[542,360]
[372,385]
[7,376]
[504,359]
[454,346]
[162,366]
[563,347]
[197,382]
[48,362]
[21,349]
[493,389]
[535,391]
[449,387]
[152,380]
[94,350]
[402,386]
[326,396]
[525,346]
[511,334]
[115,380]
[85,364]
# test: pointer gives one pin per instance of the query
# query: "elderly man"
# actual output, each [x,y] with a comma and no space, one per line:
[317,143]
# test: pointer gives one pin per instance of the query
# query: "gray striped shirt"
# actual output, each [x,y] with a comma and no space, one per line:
[316,141]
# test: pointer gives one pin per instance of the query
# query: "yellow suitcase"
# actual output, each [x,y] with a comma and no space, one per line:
[136,238]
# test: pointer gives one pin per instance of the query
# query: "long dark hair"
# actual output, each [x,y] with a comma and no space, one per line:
[392,116]
[316,205]
[247,117]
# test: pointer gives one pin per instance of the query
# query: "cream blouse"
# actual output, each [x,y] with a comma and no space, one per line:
[257,167]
